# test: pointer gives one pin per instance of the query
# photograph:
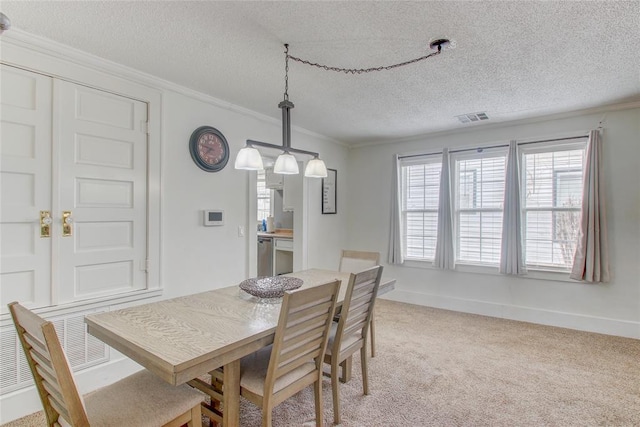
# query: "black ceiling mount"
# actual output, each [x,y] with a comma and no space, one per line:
[438,44]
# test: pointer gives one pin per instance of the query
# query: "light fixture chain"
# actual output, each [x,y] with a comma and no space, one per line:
[358,70]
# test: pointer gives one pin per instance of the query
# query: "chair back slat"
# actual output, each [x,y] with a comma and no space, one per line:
[59,408]
[305,347]
[304,326]
[50,382]
[42,361]
[363,309]
[55,394]
[304,355]
[36,343]
[362,289]
[312,312]
[361,304]
[49,367]
[302,332]
[357,307]
[357,322]
[304,337]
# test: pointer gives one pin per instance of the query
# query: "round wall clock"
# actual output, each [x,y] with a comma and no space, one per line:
[209,149]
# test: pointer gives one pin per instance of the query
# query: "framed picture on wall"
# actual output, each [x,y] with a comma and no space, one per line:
[329,185]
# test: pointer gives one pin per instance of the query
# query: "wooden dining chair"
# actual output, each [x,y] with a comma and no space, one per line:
[141,399]
[353,262]
[294,361]
[349,335]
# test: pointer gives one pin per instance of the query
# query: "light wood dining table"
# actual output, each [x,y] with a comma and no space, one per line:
[186,337]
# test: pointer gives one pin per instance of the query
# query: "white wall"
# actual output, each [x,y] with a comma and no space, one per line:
[197,258]
[328,234]
[612,308]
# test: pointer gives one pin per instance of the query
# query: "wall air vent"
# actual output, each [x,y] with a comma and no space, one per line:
[473,117]
[83,350]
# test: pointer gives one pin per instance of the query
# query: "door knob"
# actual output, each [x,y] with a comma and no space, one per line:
[45,224]
[67,222]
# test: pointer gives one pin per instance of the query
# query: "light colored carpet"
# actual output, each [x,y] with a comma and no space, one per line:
[442,368]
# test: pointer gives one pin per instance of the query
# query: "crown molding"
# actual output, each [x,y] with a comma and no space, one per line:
[67,53]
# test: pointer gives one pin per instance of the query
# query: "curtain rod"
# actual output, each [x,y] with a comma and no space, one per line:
[495,146]
[419,155]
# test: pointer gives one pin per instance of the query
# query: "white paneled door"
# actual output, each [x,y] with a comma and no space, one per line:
[25,187]
[80,154]
[102,172]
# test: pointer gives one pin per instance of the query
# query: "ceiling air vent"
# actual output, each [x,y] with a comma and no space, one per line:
[472,117]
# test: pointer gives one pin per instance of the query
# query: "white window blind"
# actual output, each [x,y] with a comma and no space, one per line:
[420,193]
[264,197]
[552,181]
[478,194]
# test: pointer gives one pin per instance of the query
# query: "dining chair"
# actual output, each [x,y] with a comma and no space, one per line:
[141,399]
[353,262]
[349,335]
[294,360]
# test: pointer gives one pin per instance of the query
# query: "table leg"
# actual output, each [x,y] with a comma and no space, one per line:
[231,395]
[346,369]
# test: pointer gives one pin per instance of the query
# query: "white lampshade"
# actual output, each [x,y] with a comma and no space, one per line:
[5,23]
[249,159]
[315,169]
[286,164]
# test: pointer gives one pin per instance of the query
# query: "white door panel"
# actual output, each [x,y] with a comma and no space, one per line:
[67,147]
[25,187]
[102,170]
[98,107]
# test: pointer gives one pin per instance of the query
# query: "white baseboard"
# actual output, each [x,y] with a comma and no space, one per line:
[579,322]
[26,401]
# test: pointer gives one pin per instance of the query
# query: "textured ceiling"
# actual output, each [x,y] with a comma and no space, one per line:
[513,60]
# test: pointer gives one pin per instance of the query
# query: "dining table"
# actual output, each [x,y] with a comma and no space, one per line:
[183,338]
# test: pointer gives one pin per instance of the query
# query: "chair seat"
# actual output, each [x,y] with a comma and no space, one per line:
[141,399]
[254,368]
[346,341]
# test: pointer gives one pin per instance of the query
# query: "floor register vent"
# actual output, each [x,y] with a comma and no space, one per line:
[473,117]
[82,349]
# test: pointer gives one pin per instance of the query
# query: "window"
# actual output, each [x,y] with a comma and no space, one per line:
[478,196]
[420,193]
[551,180]
[264,197]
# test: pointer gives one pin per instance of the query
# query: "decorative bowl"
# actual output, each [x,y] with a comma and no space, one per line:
[270,287]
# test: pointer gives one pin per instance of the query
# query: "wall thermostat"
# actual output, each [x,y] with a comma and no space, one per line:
[212,218]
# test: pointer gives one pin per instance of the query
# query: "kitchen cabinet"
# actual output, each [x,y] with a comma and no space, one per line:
[282,256]
[292,192]
[274,181]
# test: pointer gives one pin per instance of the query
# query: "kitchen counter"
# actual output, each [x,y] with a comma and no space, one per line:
[280,233]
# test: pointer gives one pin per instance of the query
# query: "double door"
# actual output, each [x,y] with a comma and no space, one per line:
[73,182]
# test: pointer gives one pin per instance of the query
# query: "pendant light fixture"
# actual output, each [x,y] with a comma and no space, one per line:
[5,23]
[249,157]
[315,169]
